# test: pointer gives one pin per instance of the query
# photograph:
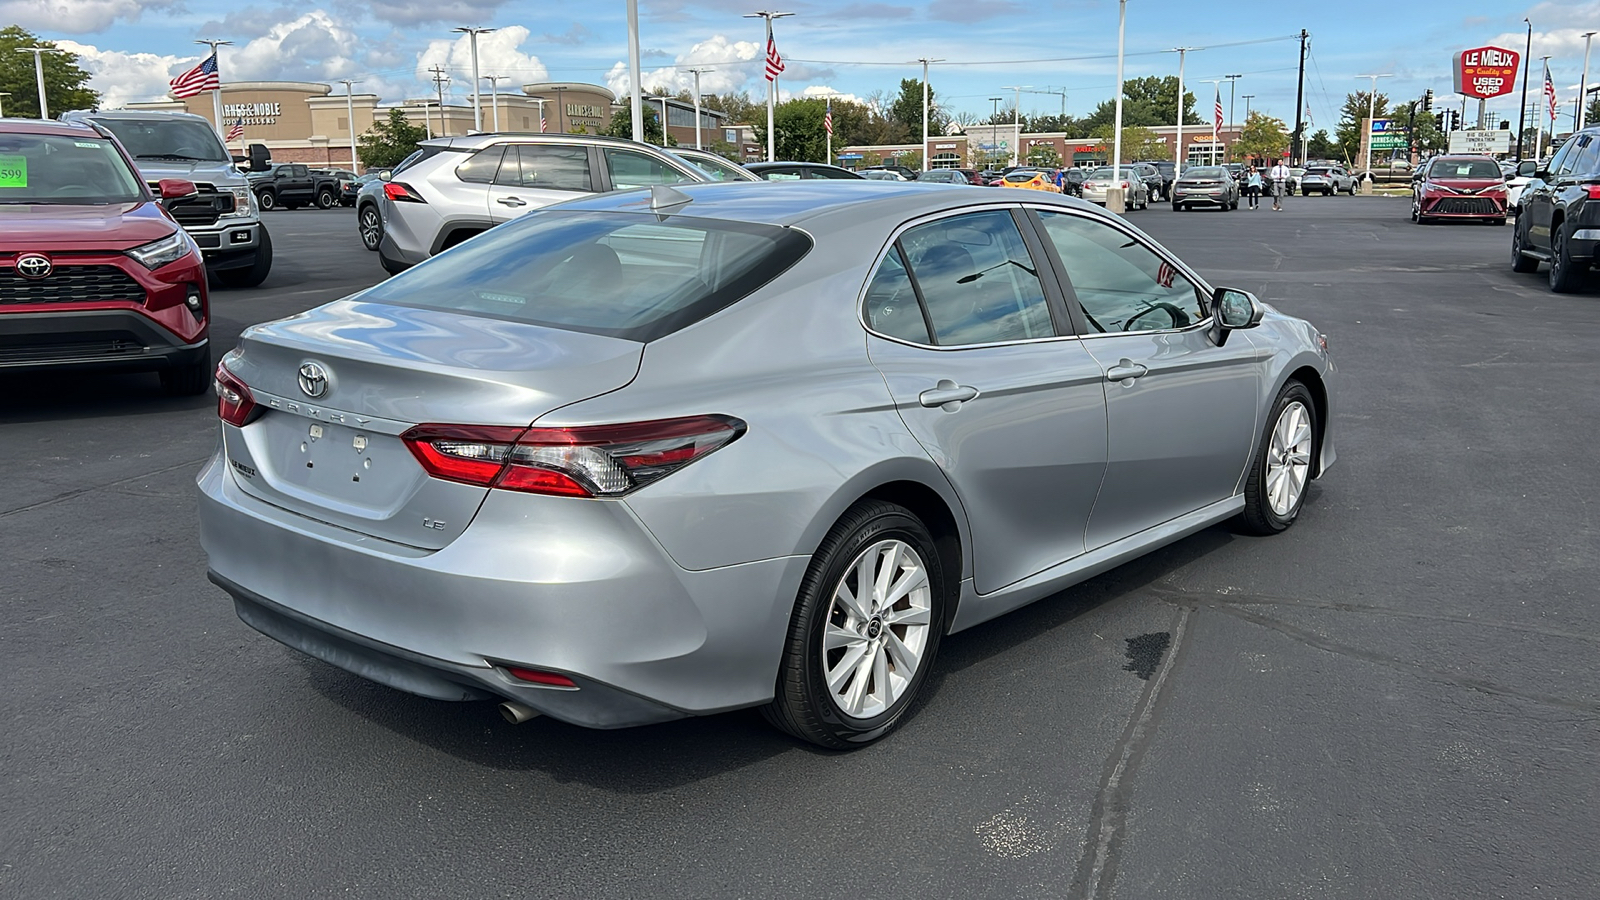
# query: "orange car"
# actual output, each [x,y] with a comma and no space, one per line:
[1030,180]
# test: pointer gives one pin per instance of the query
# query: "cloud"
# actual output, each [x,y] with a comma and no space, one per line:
[499,53]
[972,10]
[76,16]
[123,78]
[576,34]
[731,65]
[822,91]
[310,47]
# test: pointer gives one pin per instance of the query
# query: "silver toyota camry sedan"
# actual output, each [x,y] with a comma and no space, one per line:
[663,453]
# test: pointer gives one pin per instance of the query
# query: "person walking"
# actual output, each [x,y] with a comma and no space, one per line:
[1280,184]
[1252,187]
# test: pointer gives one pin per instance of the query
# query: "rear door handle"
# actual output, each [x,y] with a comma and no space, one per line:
[1125,370]
[512,201]
[947,395]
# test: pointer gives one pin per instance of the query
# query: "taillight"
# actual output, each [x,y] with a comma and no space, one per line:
[1592,190]
[586,461]
[396,190]
[235,404]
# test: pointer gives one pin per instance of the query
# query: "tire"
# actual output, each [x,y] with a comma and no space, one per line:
[326,199]
[257,273]
[267,200]
[1521,262]
[191,380]
[827,630]
[1566,275]
[1267,510]
[1177,207]
[369,224]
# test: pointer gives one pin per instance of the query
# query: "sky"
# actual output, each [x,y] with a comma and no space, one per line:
[852,48]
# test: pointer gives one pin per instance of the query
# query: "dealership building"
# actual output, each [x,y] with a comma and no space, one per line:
[307,122]
[982,146]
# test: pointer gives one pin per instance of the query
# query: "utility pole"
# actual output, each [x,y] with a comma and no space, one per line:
[1178,155]
[925,156]
[1583,84]
[440,79]
[1300,93]
[350,119]
[1247,99]
[494,95]
[772,77]
[477,99]
[1016,123]
[1526,63]
[697,73]
[1233,82]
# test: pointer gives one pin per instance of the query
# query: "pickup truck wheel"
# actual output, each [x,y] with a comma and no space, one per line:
[267,200]
[326,199]
[257,273]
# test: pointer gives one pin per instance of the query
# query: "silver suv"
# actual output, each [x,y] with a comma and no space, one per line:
[462,186]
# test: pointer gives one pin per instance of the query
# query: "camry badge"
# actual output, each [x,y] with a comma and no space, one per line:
[34,266]
[313,379]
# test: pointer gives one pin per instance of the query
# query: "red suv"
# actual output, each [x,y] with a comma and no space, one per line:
[1459,187]
[93,270]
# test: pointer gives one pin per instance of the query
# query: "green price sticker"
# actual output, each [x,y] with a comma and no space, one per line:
[13,171]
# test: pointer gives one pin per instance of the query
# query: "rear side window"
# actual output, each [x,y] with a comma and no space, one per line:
[481,166]
[546,166]
[626,275]
[790,173]
[892,307]
[630,169]
[978,283]
[1586,158]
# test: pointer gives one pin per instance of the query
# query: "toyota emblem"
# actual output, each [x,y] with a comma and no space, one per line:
[34,266]
[313,379]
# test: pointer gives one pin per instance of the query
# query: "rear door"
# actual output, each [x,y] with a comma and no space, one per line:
[531,176]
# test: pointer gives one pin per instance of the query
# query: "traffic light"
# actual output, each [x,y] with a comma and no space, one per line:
[1441,119]
[1427,100]
[1505,124]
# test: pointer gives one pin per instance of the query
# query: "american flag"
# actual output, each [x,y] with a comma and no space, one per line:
[1550,91]
[774,61]
[235,131]
[1218,116]
[827,118]
[197,80]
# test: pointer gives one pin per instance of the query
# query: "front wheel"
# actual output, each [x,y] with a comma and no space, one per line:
[1520,261]
[864,631]
[1276,488]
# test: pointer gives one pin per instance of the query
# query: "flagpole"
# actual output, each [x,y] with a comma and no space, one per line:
[216,94]
[772,77]
[829,130]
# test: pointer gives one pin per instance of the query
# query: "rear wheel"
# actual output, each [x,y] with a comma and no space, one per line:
[864,631]
[1282,468]
[370,225]
[1521,262]
[189,380]
[326,199]
[267,200]
[1566,274]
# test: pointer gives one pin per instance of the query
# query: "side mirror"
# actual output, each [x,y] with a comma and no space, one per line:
[260,158]
[1233,309]
[1527,168]
[173,188]
[385,174]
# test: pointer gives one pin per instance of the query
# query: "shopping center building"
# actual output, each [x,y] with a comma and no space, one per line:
[310,123]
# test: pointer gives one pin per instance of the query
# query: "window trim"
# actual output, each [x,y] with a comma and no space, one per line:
[1081,323]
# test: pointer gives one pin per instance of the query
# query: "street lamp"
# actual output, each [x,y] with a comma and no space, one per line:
[772,79]
[1016,123]
[494,95]
[635,72]
[926,165]
[350,120]
[1583,83]
[1372,112]
[541,102]
[663,98]
[477,99]
[1177,147]
[38,71]
[1247,99]
[1117,205]
[697,73]
[1233,81]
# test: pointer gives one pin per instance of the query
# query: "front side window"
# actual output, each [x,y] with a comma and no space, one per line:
[546,166]
[66,169]
[789,173]
[1121,284]
[977,282]
[630,169]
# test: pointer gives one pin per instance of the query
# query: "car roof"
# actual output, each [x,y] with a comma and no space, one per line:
[488,139]
[811,203]
[42,126]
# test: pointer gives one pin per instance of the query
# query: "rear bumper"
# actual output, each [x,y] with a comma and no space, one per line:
[577,587]
[1198,198]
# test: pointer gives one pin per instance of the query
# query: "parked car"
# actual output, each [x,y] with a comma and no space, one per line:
[369,214]
[1153,180]
[349,190]
[1459,187]
[1030,179]
[222,215]
[1205,186]
[342,176]
[1327,181]
[1168,174]
[1136,194]
[870,175]
[795,171]
[715,167]
[1073,180]
[635,458]
[94,273]
[1559,222]
[906,173]
[293,185]
[945,176]
[463,186]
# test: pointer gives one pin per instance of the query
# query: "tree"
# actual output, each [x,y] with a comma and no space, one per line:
[906,109]
[1591,116]
[1146,101]
[801,137]
[739,107]
[1055,125]
[1044,155]
[388,141]
[1320,146]
[622,126]
[1138,142]
[1348,133]
[1263,137]
[64,81]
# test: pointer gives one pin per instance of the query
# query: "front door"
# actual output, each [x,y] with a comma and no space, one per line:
[1180,411]
[984,374]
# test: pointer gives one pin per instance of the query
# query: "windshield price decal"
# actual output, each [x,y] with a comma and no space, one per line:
[13,171]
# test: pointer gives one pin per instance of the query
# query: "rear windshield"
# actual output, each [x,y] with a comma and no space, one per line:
[1200,172]
[1465,168]
[634,276]
[70,169]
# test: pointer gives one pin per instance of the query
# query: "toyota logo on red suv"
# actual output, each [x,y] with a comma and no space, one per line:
[34,266]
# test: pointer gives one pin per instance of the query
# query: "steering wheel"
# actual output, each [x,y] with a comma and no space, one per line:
[1180,319]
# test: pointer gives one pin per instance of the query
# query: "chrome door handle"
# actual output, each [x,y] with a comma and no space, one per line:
[512,201]
[1125,370]
[947,395]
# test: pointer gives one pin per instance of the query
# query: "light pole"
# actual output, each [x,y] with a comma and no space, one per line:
[1016,123]
[1233,81]
[925,163]
[477,99]
[1372,112]
[3,96]
[697,73]
[1583,83]
[1178,155]
[540,101]
[1118,205]
[1216,84]
[350,119]
[663,98]
[1521,113]
[494,95]
[635,73]
[1247,99]
[38,71]
[772,78]
[216,95]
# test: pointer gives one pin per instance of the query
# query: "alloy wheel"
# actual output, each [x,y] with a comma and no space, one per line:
[371,228]
[1289,458]
[877,629]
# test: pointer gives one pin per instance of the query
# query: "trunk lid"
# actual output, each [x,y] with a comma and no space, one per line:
[338,457]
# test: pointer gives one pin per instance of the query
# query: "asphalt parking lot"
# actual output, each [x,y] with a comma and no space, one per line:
[1395,698]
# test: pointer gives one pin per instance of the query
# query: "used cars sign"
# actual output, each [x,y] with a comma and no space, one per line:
[1486,72]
